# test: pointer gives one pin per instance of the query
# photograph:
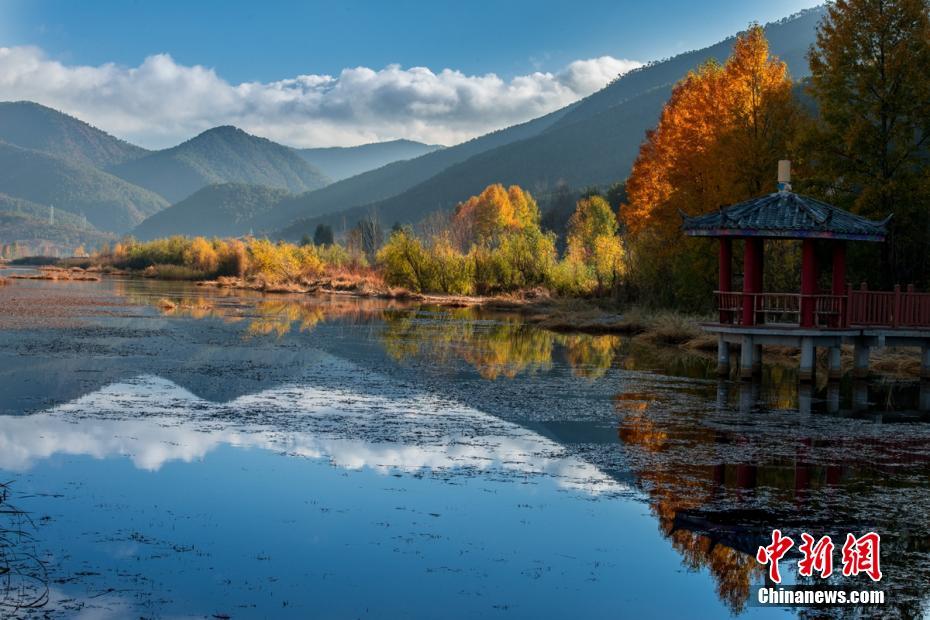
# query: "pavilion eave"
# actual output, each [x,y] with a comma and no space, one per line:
[782,234]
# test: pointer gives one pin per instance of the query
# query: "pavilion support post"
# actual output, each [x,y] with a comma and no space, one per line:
[808,282]
[750,285]
[808,352]
[723,357]
[835,372]
[745,358]
[925,362]
[757,360]
[861,359]
[726,274]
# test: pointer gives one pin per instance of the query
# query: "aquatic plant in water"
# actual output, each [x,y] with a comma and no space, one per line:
[23,576]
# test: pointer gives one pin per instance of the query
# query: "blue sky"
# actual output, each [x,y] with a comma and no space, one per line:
[272,40]
[340,73]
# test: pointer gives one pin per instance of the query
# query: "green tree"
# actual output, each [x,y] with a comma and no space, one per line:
[869,145]
[323,235]
[593,241]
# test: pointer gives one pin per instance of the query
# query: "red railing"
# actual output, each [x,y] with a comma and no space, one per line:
[857,308]
[906,309]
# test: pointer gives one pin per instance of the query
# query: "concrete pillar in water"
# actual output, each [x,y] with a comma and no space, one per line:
[836,366]
[861,360]
[860,396]
[805,396]
[748,395]
[808,352]
[833,397]
[924,396]
[723,394]
[746,355]
[925,362]
[723,357]
[757,360]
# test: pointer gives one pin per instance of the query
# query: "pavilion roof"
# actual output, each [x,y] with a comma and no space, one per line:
[786,215]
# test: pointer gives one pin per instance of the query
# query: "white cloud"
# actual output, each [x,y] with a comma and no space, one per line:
[160,102]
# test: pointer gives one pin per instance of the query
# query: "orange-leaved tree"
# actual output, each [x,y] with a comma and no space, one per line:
[718,142]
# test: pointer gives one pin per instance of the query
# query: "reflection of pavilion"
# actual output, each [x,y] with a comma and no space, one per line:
[808,319]
[720,480]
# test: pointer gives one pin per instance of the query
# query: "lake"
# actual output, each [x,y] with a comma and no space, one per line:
[179,451]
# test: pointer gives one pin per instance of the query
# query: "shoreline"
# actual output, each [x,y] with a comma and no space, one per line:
[537,307]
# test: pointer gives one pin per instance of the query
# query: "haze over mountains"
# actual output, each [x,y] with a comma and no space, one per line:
[228,182]
[339,162]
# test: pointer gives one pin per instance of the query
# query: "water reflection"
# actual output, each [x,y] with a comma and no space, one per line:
[721,478]
[153,421]
[498,346]
[720,463]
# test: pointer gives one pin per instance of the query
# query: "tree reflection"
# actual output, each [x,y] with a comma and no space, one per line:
[497,347]
[720,479]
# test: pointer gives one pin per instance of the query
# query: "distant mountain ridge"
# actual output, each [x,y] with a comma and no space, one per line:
[223,210]
[592,142]
[397,177]
[37,127]
[339,162]
[220,155]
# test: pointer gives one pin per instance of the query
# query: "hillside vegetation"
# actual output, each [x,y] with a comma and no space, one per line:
[109,203]
[224,210]
[25,229]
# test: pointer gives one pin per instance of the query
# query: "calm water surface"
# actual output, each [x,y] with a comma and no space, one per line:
[229,455]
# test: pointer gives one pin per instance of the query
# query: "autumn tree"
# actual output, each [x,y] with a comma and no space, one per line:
[869,149]
[496,211]
[593,241]
[718,141]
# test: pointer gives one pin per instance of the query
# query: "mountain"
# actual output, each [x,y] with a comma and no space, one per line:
[223,210]
[28,225]
[33,126]
[220,155]
[343,162]
[593,142]
[109,203]
[395,178]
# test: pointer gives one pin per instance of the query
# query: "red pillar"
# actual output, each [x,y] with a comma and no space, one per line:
[839,279]
[758,280]
[726,273]
[750,271]
[808,282]
[839,267]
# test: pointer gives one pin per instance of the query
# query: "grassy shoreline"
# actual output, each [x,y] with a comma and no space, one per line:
[595,316]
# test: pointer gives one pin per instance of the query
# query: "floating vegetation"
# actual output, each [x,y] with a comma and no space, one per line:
[23,577]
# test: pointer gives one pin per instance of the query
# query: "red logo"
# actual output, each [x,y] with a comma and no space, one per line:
[817,557]
[860,555]
[773,553]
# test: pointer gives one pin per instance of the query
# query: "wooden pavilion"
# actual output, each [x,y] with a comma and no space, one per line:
[753,317]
